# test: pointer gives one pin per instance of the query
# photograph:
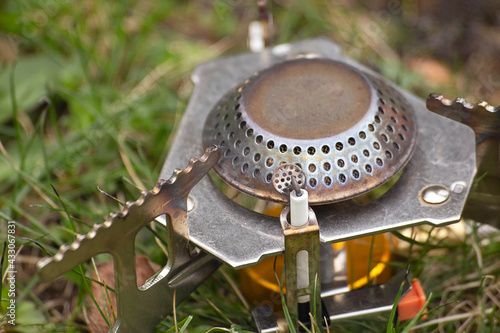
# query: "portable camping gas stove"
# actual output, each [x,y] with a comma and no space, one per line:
[294,119]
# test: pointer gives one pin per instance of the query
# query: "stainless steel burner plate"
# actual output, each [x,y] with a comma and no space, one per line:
[432,189]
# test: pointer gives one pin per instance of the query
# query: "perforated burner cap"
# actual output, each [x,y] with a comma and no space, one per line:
[348,131]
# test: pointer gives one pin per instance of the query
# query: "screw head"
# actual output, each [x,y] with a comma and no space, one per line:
[458,187]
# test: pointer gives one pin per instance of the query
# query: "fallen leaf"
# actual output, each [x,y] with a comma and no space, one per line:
[145,268]
[434,71]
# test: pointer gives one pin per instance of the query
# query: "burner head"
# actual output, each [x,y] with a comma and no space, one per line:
[348,131]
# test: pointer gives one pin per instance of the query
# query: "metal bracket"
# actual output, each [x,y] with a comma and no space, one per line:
[484,202]
[140,309]
[297,239]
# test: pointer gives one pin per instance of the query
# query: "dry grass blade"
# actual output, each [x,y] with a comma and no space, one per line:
[236,289]
[175,312]
[131,171]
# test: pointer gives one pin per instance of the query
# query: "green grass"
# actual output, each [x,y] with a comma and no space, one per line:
[116,75]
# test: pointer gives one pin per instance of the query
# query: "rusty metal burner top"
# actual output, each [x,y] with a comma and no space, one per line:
[307,100]
[347,130]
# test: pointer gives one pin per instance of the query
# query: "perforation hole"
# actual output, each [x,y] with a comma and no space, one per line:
[283,148]
[342,178]
[244,167]
[216,125]
[404,118]
[388,154]
[362,135]
[381,100]
[246,151]
[313,182]
[355,174]
[243,124]
[311,151]
[237,116]
[379,162]
[327,180]
[327,166]
[270,144]
[256,157]
[224,117]
[227,152]
[222,143]
[269,177]
[377,119]
[392,100]
[259,139]
[325,149]
[235,161]
[238,96]
[237,106]
[394,110]
[376,145]
[401,136]
[237,143]
[256,173]
[312,167]
[394,120]
[381,110]
[384,138]
[217,135]
[249,132]
[366,153]
[368,168]
[269,161]
[396,145]
[297,150]
[227,126]
[230,136]
[354,159]
[340,163]
[351,141]
[404,128]
[390,128]
[371,128]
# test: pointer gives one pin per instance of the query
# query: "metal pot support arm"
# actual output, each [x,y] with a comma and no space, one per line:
[140,309]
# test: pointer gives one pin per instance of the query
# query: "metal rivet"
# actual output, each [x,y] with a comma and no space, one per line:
[435,194]
[458,187]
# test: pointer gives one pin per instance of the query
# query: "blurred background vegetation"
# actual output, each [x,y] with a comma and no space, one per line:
[91,91]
